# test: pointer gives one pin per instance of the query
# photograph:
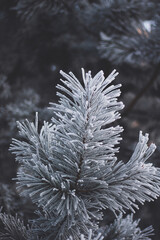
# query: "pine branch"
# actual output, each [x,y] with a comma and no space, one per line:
[70,169]
[13,228]
[126,228]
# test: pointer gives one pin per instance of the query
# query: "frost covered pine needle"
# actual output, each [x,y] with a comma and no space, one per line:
[70,169]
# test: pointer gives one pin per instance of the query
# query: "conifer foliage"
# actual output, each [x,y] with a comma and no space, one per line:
[70,170]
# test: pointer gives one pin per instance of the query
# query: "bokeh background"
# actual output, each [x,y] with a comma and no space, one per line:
[38,38]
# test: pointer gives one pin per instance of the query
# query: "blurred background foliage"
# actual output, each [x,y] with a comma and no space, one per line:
[40,37]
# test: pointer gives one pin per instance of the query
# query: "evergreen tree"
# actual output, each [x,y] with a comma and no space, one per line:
[70,169]
[38,38]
